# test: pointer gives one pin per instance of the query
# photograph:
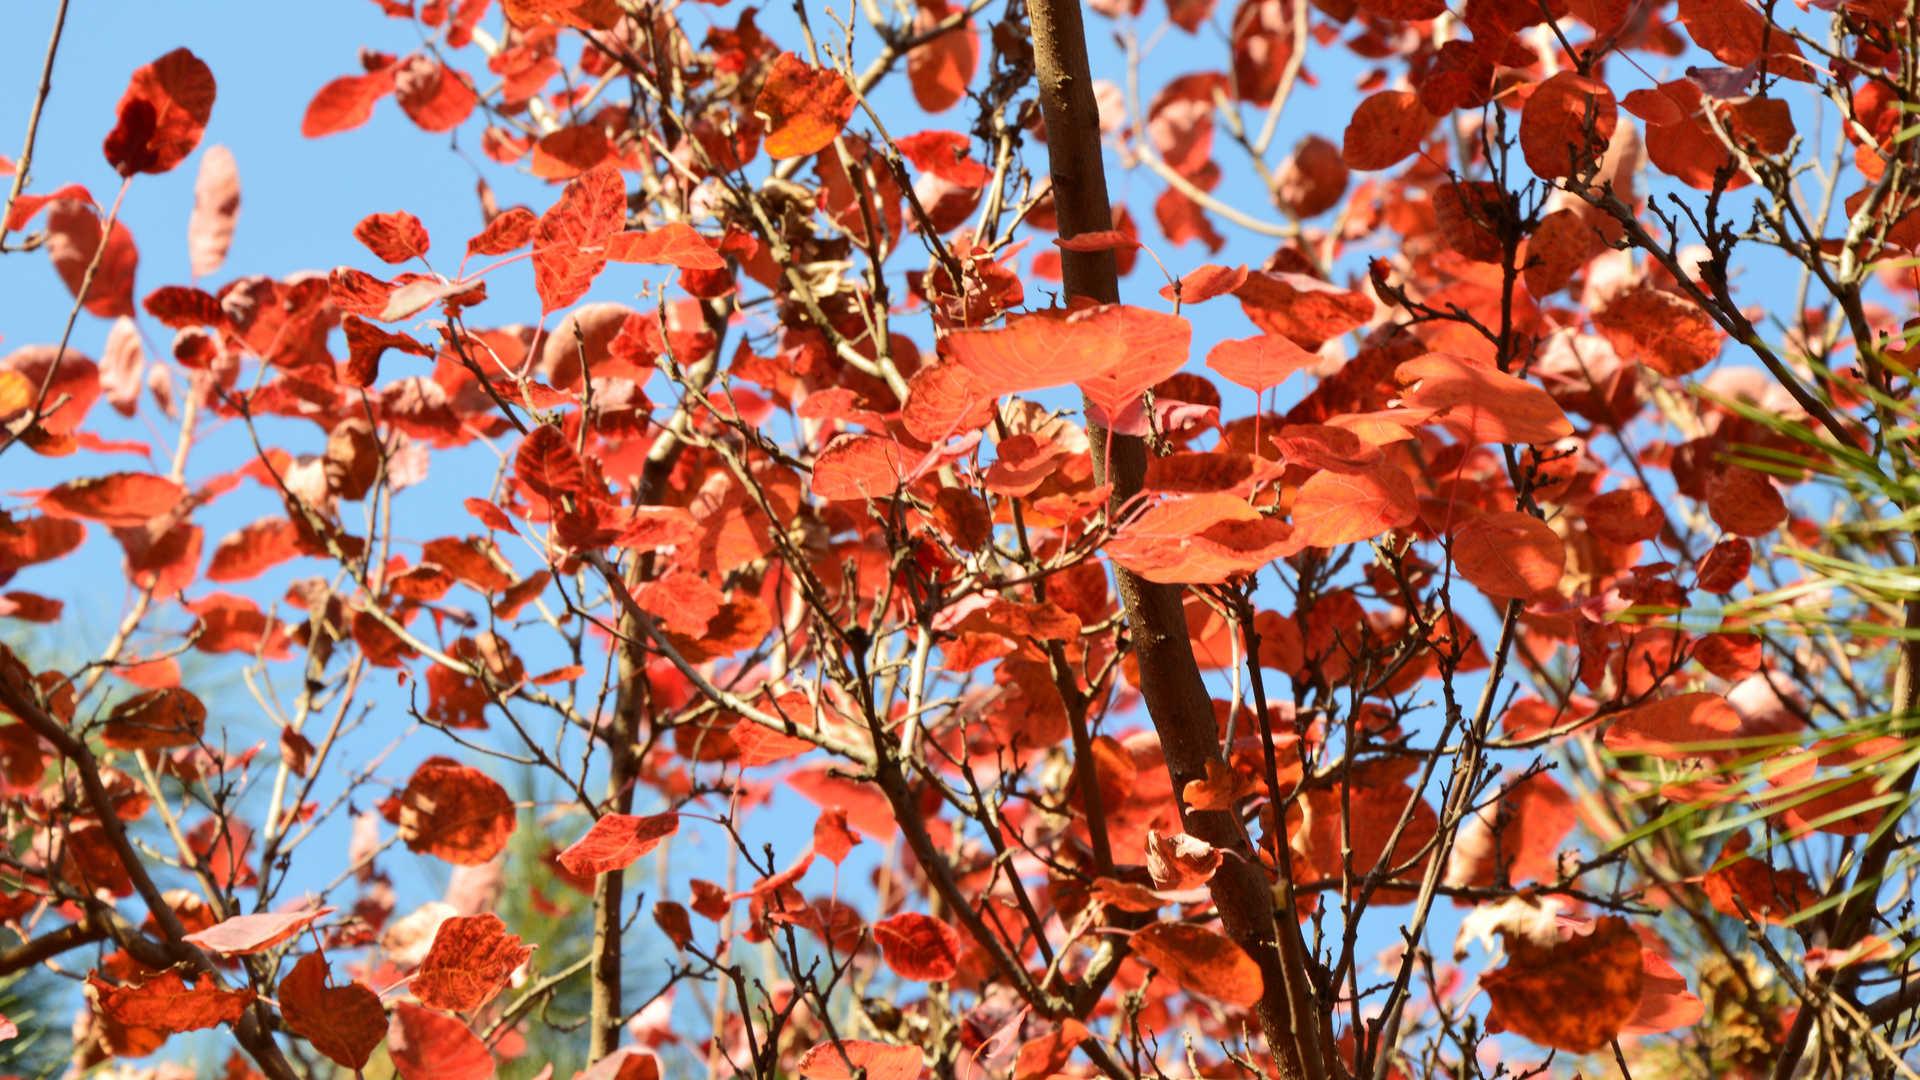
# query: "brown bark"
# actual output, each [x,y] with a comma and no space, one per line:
[1176,698]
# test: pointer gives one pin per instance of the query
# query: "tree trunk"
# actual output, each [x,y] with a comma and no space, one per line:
[1177,699]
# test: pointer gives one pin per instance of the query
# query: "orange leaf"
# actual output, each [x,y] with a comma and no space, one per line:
[394,237]
[1664,728]
[939,70]
[455,813]
[1340,508]
[1509,555]
[616,841]
[345,103]
[471,959]
[674,244]
[1574,993]
[162,114]
[1386,128]
[856,467]
[1566,124]
[837,1060]
[805,107]
[427,1045]
[165,1003]
[155,720]
[1258,363]
[244,934]
[1201,962]
[919,947]
[1481,402]
[1668,333]
[115,499]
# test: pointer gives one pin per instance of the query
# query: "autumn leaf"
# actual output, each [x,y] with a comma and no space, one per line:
[216,209]
[1334,508]
[1388,127]
[155,720]
[1574,991]
[673,244]
[616,840]
[1259,363]
[919,947]
[427,1045]
[805,107]
[1566,124]
[243,935]
[393,238]
[455,813]
[470,961]
[162,114]
[1483,403]
[1201,961]
[837,1060]
[165,1005]
[1509,555]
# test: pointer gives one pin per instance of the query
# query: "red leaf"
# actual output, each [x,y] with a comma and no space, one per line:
[1482,403]
[616,841]
[1205,283]
[253,550]
[832,838]
[1259,363]
[939,70]
[427,1045]
[945,155]
[1201,962]
[674,244]
[547,464]
[125,498]
[179,307]
[1204,538]
[394,237]
[1566,125]
[510,230]
[858,467]
[166,1004]
[1304,309]
[73,236]
[919,947]
[1153,345]
[1724,566]
[1744,502]
[1574,992]
[805,107]
[570,151]
[244,934]
[837,1060]
[1664,728]
[1102,240]
[345,103]
[155,720]
[1627,516]
[1668,333]
[455,813]
[432,95]
[162,114]
[1738,35]
[1341,508]
[1509,555]
[1387,128]
[470,961]
[344,1023]
[366,343]
[216,206]
[566,255]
